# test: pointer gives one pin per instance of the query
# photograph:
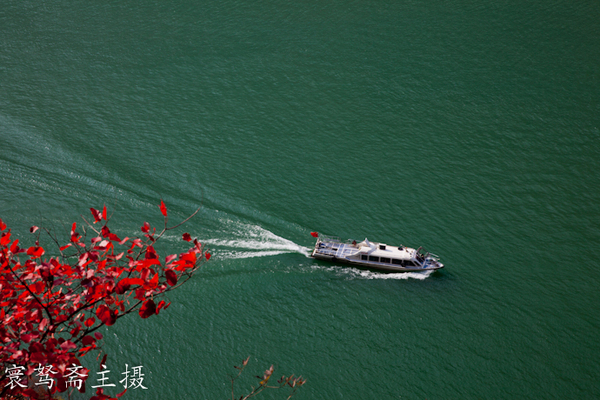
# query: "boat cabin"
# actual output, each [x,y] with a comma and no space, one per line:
[376,255]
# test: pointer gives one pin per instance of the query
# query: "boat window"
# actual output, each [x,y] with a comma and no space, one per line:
[409,263]
[382,247]
[396,261]
[384,260]
[373,258]
[364,257]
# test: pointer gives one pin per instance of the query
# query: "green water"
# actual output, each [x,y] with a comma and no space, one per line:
[469,128]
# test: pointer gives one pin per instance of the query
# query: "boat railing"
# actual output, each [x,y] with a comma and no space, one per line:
[432,256]
[337,250]
[329,239]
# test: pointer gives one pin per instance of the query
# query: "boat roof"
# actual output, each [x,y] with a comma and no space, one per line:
[378,250]
[373,248]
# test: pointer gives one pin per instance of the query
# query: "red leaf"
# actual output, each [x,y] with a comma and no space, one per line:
[5,240]
[136,281]
[207,255]
[187,258]
[314,234]
[152,283]
[96,215]
[35,251]
[90,321]
[140,294]
[85,349]
[33,229]
[151,253]
[75,331]
[106,315]
[125,284]
[28,336]
[114,237]
[159,306]
[13,247]
[37,356]
[146,227]
[132,281]
[103,361]
[148,308]
[67,345]
[187,237]
[2,225]
[65,246]
[83,258]
[171,277]
[87,340]
[98,336]
[163,208]
[122,286]
[37,287]
[104,212]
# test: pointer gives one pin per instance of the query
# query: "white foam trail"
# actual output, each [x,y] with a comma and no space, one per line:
[355,273]
[252,241]
[232,255]
[395,275]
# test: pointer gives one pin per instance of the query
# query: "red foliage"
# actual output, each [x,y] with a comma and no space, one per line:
[96,214]
[5,239]
[148,308]
[171,277]
[106,315]
[163,208]
[51,305]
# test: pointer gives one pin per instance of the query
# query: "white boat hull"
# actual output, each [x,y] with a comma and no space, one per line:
[372,265]
[375,256]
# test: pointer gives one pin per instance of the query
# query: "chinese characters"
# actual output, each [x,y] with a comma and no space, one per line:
[75,376]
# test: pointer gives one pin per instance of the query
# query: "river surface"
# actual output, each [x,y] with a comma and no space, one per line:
[469,128]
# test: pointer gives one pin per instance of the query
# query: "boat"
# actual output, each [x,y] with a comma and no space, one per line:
[374,255]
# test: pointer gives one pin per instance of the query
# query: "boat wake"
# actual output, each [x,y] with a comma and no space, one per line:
[240,240]
[397,275]
[248,241]
[355,273]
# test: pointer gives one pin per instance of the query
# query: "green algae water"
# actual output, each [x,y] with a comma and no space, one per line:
[472,129]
